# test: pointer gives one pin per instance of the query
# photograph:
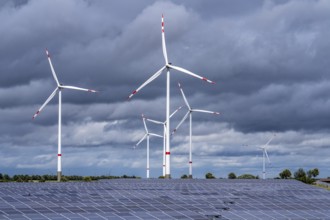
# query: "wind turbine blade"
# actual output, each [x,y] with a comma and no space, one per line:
[173,113]
[147,82]
[184,97]
[77,88]
[154,121]
[190,73]
[144,123]
[156,135]
[182,120]
[46,102]
[205,111]
[269,140]
[267,155]
[163,41]
[144,136]
[52,68]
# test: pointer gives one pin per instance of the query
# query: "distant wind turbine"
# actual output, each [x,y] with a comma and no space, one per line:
[146,135]
[190,111]
[58,89]
[167,66]
[264,156]
[164,135]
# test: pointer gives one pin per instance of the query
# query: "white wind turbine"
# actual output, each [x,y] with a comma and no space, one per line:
[146,135]
[58,89]
[190,111]
[167,66]
[164,134]
[264,155]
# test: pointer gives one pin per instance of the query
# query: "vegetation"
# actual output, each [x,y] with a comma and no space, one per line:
[247,176]
[87,179]
[209,176]
[301,175]
[285,174]
[313,173]
[184,176]
[323,186]
[231,175]
[44,178]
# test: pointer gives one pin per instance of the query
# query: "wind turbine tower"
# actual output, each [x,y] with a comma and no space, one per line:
[189,113]
[58,90]
[146,135]
[168,66]
[164,134]
[264,156]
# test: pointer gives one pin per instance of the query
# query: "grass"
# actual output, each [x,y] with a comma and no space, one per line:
[322,186]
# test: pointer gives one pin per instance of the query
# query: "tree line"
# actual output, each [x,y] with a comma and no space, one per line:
[46,177]
[300,174]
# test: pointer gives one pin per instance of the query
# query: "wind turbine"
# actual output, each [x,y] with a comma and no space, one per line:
[58,89]
[190,111]
[146,135]
[167,66]
[265,154]
[164,134]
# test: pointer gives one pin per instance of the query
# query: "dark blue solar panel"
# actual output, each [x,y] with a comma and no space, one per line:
[164,199]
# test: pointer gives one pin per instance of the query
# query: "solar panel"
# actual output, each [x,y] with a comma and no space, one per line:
[164,199]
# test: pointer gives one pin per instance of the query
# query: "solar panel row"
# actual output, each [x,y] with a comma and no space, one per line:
[164,199]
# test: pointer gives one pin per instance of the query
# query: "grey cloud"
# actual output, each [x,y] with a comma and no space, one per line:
[268,57]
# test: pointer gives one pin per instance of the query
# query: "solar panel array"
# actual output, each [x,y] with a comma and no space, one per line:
[164,199]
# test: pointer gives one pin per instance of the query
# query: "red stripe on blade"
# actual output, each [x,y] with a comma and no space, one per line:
[167,153]
[59,155]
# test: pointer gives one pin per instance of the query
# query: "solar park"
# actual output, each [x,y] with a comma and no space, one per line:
[164,199]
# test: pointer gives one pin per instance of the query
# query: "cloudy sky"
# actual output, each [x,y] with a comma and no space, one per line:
[269,59]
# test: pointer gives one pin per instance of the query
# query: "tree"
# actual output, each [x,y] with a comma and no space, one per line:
[64,179]
[313,173]
[246,176]
[209,176]
[300,174]
[6,177]
[231,175]
[285,174]
[184,176]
